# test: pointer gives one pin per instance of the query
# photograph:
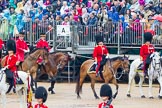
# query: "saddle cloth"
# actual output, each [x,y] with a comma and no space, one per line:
[92,69]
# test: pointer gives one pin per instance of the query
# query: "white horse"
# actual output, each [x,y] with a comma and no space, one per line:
[21,90]
[154,71]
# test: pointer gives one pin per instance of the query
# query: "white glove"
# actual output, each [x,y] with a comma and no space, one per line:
[107,56]
[26,51]
[3,69]
[95,62]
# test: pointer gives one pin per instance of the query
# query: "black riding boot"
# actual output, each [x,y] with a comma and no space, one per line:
[11,85]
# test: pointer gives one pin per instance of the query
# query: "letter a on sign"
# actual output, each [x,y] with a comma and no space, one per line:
[63,30]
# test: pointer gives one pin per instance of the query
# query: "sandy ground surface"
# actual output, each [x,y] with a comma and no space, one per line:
[65,97]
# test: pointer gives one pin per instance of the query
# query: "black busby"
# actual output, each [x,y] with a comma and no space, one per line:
[147,37]
[42,34]
[106,91]
[99,38]
[41,93]
[11,45]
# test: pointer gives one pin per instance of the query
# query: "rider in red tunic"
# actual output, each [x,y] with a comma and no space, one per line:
[42,43]
[41,96]
[106,95]
[10,64]
[99,51]
[146,50]
[21,48]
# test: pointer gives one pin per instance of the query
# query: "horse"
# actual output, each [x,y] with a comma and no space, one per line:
[109,72]
[30,63]
[21,89]
[154,72]
[56,62]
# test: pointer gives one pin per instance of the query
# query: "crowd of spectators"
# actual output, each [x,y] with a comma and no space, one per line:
[44,13]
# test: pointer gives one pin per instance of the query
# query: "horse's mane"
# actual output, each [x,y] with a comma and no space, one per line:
[116,58]
[35,49]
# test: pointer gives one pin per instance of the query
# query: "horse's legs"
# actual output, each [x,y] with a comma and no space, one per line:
[116,84]
[160,89]
[140,85]
[20,94]
[3,99]
[53,80]
[131,79]
[93,89]
[150,87]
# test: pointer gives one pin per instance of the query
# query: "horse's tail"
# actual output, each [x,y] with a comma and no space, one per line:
[80,80]
[78,88]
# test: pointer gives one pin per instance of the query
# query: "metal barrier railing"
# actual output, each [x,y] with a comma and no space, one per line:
[115,34]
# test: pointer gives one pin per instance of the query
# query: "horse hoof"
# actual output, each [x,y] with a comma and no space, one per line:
[143,96]
[128,95]
[97,97]
[151,97]
[49,89]
[160,97]
[52,92]
[78,97]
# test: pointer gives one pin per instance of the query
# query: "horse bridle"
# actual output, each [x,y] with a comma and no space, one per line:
[60,62]
[122,64]
[155,64]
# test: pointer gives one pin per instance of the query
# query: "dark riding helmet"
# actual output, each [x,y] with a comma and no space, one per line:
[99,38]
[11,45]
[106,91]
[147,37]
[41,93]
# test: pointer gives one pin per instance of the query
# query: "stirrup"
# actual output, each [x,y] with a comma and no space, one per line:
[97,74]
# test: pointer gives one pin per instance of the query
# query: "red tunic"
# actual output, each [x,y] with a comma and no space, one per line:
[21,45]
[11,62]
[1,43]
[40,106]
[103,104]
[99,51]
[145,50]
[42,43]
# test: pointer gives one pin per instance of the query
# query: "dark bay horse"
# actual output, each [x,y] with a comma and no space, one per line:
[56,62]
[110,69]
[30,63]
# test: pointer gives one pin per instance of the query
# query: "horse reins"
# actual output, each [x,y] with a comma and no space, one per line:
[2,72]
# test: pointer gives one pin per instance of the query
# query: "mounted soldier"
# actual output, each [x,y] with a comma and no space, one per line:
[10,64]
[100,54]
[145,51]
[21,48]
[42,43]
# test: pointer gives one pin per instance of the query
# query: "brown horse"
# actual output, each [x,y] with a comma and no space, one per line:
[110,69]
[30,63]
[56,62]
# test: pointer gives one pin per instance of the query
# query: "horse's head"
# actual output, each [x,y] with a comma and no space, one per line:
[156,60]
[125,63]
[62,60]
[40,52]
